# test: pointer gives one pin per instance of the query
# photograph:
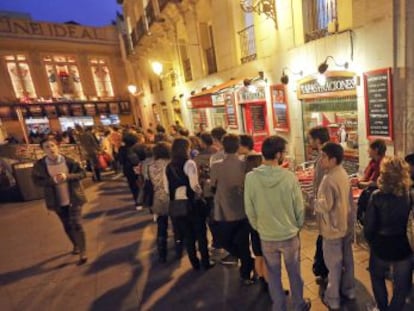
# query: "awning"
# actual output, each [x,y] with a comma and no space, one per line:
[205,99]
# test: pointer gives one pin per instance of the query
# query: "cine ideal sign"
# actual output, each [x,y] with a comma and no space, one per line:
[337,84]
[23,27]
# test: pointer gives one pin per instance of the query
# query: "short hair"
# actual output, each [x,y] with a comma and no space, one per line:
[184,132]
[161,150]
[273,145]
[319,132]
[206,138]
[334,150]
[394,176]
[246,141]
[409,158]
[47,139]
[218,133]
[231,143]
[379,145]
[160,128]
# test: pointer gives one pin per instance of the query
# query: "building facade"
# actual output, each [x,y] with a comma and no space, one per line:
[277,67]
[56,75]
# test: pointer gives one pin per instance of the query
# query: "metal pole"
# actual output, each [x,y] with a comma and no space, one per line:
[22,125]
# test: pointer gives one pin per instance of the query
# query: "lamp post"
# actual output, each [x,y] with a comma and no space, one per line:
[133,91]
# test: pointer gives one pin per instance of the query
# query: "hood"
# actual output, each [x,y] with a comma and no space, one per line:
[270,176]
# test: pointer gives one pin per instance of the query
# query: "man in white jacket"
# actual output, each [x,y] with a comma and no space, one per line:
[334,207]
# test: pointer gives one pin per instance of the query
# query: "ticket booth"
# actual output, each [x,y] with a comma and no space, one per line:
[252,102]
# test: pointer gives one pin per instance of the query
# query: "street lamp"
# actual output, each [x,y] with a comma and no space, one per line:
[132,89]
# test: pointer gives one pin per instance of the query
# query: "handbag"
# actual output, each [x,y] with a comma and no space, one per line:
[179,208]
[148,190]
[102,164]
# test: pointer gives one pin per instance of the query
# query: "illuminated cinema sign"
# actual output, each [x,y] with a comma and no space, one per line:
[67,31]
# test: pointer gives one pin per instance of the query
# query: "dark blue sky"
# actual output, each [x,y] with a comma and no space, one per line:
[85,12]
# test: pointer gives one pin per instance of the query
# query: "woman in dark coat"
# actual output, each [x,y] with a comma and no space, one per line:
[385,229]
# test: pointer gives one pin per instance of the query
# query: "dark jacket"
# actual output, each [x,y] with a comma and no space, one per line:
[386,225]
[42,178]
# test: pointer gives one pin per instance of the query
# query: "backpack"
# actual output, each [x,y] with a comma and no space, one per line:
[363,201]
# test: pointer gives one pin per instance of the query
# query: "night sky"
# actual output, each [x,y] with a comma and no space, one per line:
[85,12]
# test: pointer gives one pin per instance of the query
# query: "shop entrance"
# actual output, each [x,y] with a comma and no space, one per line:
[340,116]
[254,122]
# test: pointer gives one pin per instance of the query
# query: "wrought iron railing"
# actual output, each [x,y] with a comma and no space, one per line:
[150,14]
[140,29]
[247,44]
[188,76]
[211,60]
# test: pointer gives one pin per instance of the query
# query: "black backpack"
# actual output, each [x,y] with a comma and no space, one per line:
[363,201]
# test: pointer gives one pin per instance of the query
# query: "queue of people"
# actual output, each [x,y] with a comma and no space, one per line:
[215,181]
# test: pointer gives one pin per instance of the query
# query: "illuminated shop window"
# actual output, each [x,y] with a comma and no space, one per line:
[101,77]
[319,16]
[63,75]
[20,76]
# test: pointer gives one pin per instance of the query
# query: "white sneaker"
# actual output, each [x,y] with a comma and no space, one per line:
[154,217]
[139,207]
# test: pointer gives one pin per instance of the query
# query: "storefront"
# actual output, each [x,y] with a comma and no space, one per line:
[251,100]
[41,118]
[215,107]
[332,103]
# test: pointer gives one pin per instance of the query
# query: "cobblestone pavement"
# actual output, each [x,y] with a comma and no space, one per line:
[37,271]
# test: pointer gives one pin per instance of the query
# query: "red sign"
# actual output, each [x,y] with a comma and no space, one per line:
[280,108]
[204,101]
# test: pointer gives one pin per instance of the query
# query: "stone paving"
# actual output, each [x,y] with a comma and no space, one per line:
[37,271]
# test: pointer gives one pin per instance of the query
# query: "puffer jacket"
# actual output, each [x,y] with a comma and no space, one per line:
[42,178]
[386,222]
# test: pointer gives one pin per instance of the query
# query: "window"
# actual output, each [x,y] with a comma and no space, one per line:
[101,77]
[63,75]
[20,76]
[207,43]
[318,15]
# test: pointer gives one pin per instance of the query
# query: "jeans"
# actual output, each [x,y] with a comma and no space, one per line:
[71,217]
[272,252]
[162,222]
[402,280]
[339,260]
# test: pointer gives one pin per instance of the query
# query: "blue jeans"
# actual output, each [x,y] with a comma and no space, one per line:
[339,260]
[272,252]
[402,278]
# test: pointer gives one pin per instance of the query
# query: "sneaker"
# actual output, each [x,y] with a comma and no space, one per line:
[210,265]
[139,207]
[75,251]
[82,260]
[307,305]
[229,260]
[247,282]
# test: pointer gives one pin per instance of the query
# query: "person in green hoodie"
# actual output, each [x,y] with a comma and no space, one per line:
[274,207]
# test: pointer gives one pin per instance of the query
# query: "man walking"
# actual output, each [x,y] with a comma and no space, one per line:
[334,207]
[60,178]
[274,207]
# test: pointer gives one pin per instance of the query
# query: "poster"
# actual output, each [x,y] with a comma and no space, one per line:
[280,109]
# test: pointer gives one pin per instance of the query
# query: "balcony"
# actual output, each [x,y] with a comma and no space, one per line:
[211,60]
[162,4]
[140,29]
[150,14]
[247,44]
[188,76]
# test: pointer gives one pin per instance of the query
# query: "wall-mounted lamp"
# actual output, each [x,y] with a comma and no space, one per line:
[157,68]
[266,7]
[285,78]
[324,66]
[134,90]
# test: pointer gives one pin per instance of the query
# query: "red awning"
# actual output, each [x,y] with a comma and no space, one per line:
[204,99]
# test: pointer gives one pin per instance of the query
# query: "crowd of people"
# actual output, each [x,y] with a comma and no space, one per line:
[215,181]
